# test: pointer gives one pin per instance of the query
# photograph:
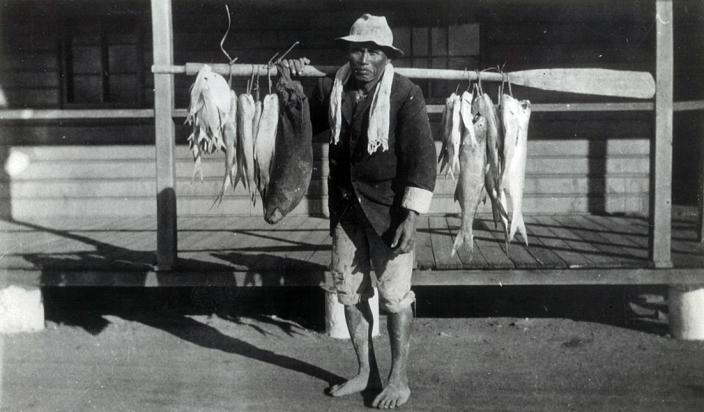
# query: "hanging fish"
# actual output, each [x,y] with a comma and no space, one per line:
[485,107]
[452,136]
[467,118]
[264,142]
[210,111]
[256,119]
[515,117]
[471,182]
[292,165]
[230,141]
[246,109]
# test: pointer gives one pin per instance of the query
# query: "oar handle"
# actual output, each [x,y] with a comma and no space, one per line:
[321,71]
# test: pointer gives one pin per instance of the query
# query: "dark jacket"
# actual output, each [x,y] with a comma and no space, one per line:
[378,181]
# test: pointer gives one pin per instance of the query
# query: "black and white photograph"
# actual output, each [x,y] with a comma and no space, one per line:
[340,205]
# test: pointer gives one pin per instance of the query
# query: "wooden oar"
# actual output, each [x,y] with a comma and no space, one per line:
[603,82]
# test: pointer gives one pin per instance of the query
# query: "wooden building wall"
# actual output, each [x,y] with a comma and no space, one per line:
[578,162]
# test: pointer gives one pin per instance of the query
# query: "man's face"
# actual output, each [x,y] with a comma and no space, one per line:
[367,61]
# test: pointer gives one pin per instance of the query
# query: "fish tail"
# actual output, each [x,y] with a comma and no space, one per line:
[463,239]
[517,222]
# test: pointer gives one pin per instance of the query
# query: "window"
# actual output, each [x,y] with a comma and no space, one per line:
[103,62]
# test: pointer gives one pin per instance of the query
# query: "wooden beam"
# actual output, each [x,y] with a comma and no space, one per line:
[73,114]
[660,232]
[162,33]
[483,277]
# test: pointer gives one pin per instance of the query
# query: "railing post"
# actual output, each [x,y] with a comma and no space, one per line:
[162,33]
[700,216]
[660,233]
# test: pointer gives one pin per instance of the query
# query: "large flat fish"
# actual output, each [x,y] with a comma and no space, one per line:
[264,143]
[293,158]
[471,182]
[245,141]
[515,117]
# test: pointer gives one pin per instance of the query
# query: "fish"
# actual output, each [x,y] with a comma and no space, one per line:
[471,182]
[449,154]
[245,141]
[256,119]
[210,111]
[467,118]
[230,142]
[492,179]
[264,144]
[292,166]
[515,118]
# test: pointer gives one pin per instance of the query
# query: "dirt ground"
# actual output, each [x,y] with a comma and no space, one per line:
[115,352]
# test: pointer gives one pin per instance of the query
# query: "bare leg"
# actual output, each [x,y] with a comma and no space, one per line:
[397,392]
[359,323]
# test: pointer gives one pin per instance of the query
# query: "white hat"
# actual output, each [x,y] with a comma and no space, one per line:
[373,29]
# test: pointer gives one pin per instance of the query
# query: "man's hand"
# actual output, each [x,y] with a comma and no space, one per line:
[404,238]
[296,65]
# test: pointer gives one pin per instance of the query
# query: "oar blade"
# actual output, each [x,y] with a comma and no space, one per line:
[602,82]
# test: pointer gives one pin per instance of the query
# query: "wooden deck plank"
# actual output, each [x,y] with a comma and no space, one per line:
[516,251]
[618,237]
[613,231]
[305,235]
[543,228]
[323,244]
[441,240]
[592,234]
[491,249]
[285,254]
[541,252]
[425,259]
[473,260]
[261,249]
[634,229]
[578,244]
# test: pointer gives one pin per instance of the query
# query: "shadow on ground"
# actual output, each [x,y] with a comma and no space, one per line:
[641,308]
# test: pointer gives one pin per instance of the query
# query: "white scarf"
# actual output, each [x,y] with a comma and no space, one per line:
[378,132]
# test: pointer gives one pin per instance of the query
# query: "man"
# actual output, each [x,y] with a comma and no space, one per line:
[382,174]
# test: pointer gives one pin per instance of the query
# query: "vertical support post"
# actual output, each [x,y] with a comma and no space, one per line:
[162,33]
[659,245]
[700,220]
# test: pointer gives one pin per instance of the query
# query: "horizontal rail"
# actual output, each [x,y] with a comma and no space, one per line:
[56,114]
[502,277]
[73,114]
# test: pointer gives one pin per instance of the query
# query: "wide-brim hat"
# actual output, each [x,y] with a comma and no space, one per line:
[372,29]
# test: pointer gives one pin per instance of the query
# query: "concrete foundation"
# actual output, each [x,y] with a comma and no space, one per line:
[335,323]
[686,312]
[21,310]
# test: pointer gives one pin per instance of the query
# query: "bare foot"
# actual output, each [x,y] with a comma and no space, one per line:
[392,396]
[354,385]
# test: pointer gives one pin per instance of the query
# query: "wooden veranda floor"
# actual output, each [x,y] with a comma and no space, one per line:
[564,249]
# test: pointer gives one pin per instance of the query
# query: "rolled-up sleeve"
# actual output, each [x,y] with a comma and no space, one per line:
[416,152]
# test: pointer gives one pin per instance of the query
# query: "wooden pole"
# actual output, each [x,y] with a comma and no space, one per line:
[604,82]
[659,245]
[700,220]
[162,33]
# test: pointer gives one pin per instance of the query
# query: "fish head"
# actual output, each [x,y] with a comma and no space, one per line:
[273,216]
